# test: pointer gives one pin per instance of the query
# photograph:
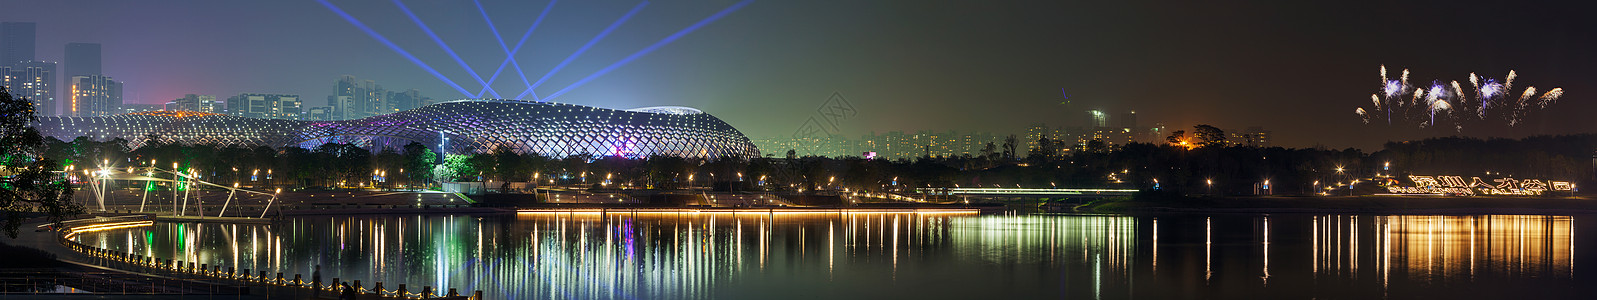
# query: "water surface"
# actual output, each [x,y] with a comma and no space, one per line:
[879,255]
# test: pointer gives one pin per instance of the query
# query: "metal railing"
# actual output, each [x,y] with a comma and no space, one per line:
[135,262]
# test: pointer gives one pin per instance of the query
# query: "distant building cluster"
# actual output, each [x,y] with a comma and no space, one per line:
[351,99]
[1036,139]
[895,144]
[81,89]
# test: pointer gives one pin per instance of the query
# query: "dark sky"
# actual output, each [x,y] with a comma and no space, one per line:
[1298,68]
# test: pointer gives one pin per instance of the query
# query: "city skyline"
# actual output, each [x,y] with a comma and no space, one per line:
[906,66]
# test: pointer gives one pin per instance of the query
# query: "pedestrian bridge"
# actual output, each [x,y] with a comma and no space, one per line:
[1028,193]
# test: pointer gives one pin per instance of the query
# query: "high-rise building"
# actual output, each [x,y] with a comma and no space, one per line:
[82,59]
[94,95]
[16,42]
[1056,137]
[343,98]
[5,77]
[265,106]
[353,99]
[318,113]
[374,101]
[406,100]
[1254,136]
[199,103]
[1128,119]
[34,80]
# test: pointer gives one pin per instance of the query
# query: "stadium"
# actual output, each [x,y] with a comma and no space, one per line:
[462,126]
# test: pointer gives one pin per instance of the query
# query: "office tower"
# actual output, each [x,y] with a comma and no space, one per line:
[343,99]
[318,113]
[82,59]
[192,102]
[34,80]
[348,99]
[1128,119]
[1034,135]
[401,101]
[265,106]
[94,95]
[374,101]
[1254,136]
[16,42]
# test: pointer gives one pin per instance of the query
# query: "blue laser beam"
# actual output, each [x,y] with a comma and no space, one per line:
[446,48]
[524,37]
[510,54]
[591,42]
[651,48]
[391,45]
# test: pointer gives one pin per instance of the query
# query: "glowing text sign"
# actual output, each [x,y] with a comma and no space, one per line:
[1476,186]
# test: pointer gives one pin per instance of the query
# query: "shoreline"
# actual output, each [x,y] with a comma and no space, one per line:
[1375,204]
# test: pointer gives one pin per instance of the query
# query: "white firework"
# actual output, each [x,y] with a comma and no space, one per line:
[1492,99]
[1551,96]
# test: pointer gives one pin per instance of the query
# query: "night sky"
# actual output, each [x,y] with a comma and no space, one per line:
[1298,68]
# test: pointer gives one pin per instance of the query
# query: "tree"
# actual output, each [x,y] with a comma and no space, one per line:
[28,181]
[1044,151]
[1009,147]
[455,168]
[1179,137]
[419,162]
[1209,135]
[989,150]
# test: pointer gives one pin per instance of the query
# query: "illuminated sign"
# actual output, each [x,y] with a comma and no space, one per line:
[1456,185]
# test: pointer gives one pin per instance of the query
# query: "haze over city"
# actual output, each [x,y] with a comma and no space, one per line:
[1298,69]
[828,149]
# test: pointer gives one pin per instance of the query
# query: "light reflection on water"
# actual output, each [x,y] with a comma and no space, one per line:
[645,256]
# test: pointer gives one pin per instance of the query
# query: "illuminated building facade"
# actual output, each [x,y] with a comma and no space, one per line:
[34,80]
[94,95]
[195,103]
[549,129]
[265,106]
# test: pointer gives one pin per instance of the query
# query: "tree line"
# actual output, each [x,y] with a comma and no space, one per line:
[1204,166]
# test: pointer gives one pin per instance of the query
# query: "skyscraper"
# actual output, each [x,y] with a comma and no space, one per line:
[35,80]
[344,101]
[5,77]
[82,59]
[192,102]
[265,106]
[317,113]
[374,101]
[16,42]
[94,95]
[401,101]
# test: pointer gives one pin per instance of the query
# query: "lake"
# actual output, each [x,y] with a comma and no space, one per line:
[907,255]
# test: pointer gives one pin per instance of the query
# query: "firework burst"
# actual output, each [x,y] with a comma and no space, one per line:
[1487,99]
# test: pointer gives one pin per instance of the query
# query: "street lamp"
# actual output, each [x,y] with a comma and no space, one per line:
[1210,182]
